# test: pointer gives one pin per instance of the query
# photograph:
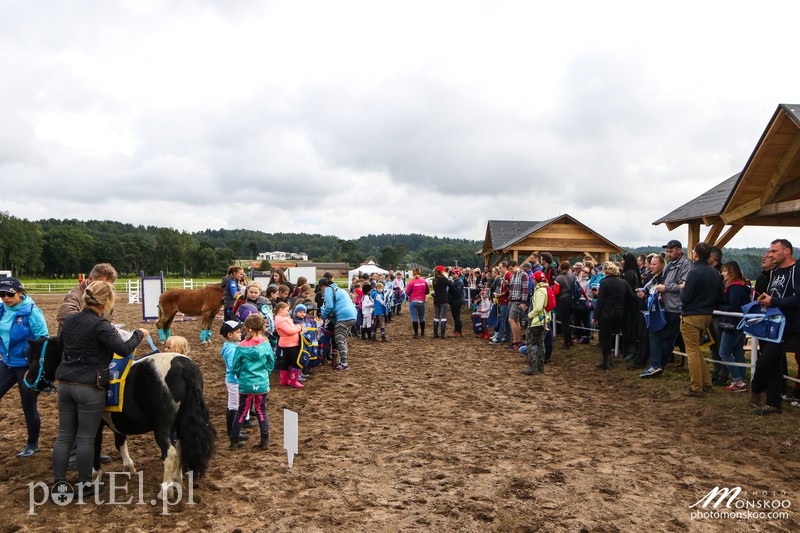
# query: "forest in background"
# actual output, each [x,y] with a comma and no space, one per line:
[63,248]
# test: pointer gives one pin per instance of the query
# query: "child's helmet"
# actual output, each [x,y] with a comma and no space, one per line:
[245,310]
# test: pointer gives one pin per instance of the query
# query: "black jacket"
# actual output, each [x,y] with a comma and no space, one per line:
[612,295]
[441,284]
[456,294]
[89,341]
[702,292]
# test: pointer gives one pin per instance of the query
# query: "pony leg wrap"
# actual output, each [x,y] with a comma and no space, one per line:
[161,336]
[167,333]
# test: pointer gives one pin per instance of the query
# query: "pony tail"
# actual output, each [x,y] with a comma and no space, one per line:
[196,435]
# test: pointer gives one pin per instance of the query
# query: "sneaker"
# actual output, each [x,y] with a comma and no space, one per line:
[513,346]
[737,387]
[341,367]
[765,410]
[651,372]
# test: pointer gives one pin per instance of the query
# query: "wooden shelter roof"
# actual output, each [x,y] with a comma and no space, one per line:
[765,193]
[562,236]
[709,204]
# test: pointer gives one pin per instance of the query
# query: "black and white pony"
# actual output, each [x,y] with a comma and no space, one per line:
[163,394]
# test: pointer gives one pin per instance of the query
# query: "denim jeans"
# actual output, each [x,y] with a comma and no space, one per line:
[417,310]
[503,331]
[731,349]
[662,342]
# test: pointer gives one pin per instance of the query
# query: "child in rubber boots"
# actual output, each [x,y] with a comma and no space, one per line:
[379,311]
[309,333]
[289,343]
[538,319]
[252,364]
[231,331]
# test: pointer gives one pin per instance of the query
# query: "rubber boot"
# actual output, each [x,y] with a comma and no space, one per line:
[284,377]
[435,329]
[533,364]
[443,327]
[264,442]
[422,329]
[161,336]
[415,325]
[293,375]
[235,444]
[229,416]
[485,334]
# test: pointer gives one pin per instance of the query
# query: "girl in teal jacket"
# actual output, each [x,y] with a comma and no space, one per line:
[252,364]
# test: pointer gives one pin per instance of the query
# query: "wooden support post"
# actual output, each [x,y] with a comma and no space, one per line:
[713,233]
[728,235]
[694,236]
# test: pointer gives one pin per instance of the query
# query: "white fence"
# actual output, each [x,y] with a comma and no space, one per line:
[131,287]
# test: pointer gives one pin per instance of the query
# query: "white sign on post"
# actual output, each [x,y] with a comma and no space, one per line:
[290,434]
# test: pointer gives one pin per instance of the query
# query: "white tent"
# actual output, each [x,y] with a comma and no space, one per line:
[367,268]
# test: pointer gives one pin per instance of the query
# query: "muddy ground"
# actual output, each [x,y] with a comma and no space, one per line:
[444,435]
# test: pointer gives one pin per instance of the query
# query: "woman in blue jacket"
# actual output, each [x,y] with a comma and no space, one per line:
[20,321]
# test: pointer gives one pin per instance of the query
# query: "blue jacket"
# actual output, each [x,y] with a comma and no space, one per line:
[228,352]
[379,302]
[345,308]
[18,325]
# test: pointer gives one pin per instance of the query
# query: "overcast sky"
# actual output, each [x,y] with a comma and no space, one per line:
[350,118]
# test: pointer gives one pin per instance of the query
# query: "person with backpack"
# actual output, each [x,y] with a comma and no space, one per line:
[565,281]
[538,318]
[611,298]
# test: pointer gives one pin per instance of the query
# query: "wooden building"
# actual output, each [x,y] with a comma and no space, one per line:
[765,193]
[562,236]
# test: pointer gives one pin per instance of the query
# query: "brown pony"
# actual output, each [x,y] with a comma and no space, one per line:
[205,302]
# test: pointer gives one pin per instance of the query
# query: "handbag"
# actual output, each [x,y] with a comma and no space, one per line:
[655,317]
[764,323]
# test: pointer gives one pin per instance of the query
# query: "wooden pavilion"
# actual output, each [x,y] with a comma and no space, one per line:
[765,193]
[562,236]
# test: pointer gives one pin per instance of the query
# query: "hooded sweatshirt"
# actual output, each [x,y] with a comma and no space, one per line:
[252,364]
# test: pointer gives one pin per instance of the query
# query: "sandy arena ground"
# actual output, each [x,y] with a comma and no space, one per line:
[443,435]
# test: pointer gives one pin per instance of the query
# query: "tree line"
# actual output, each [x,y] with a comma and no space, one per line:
[63,248]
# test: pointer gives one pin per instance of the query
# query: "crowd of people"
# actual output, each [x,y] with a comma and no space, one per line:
[642,307]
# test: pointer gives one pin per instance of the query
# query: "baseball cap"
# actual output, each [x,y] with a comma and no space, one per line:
[673,244]
[440,268]
[10,285]
[527,265]
[538,275]
[229,326]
